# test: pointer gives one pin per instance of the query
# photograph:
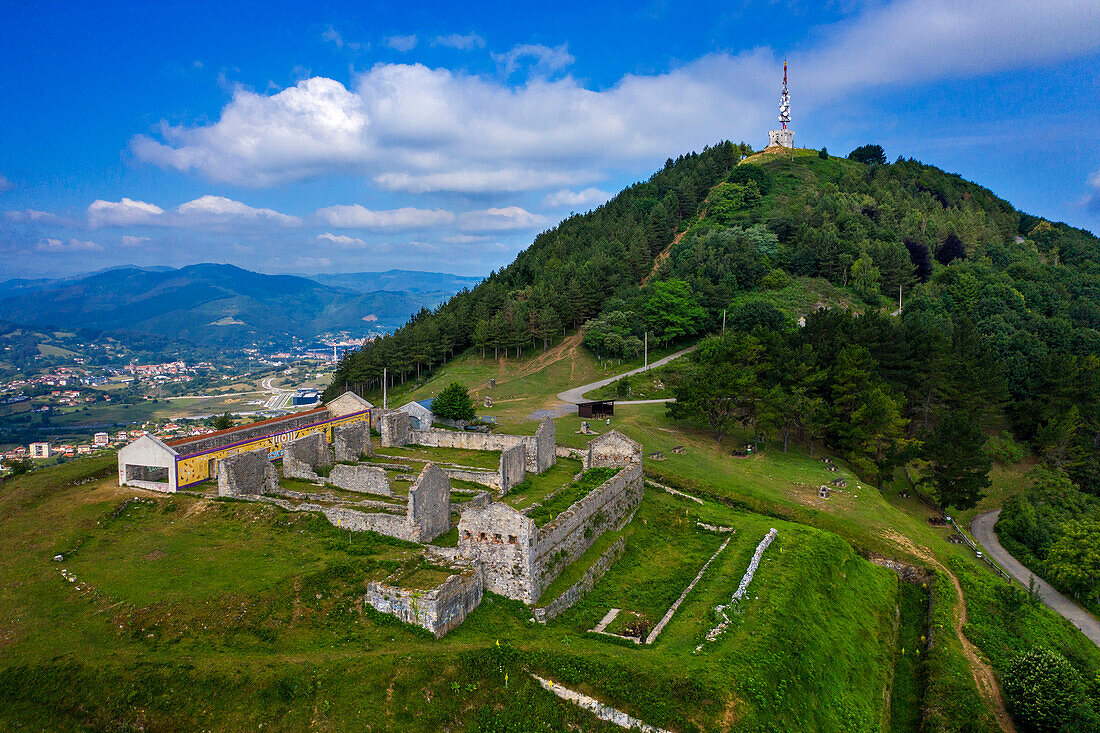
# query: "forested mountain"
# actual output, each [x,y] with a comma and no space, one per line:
[209,303]
[1001,317]
[412,281]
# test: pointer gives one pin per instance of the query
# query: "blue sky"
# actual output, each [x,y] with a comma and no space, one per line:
[289,137]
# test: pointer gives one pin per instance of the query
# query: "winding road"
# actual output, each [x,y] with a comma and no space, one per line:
[575,395]
[982,529]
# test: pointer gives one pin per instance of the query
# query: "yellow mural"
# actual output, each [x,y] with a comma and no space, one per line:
[198,467]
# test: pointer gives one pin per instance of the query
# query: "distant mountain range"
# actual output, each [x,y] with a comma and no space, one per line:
[226,304]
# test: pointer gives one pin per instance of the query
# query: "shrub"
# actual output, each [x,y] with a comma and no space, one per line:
[454,403]
[1045,693]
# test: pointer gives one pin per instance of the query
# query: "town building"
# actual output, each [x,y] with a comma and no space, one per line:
[40,450]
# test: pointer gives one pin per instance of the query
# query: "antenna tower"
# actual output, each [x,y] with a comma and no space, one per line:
[784,100]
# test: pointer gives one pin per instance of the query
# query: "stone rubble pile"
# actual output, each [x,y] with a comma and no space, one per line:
[741,588]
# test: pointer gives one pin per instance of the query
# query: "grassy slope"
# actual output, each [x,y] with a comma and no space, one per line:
[188,613]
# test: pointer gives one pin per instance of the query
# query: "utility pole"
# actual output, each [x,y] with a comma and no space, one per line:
[384,382]
[645,362]
[723,320]
[899,298]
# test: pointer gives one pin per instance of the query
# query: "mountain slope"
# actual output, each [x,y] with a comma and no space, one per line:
[412,281]
[210,302]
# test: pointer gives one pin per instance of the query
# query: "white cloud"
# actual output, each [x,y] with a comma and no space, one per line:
[126,212]
[207,212]
[567,198]
[341,241]
[411,128]
[495,220]
[542,59]
[33,215]
[132,241]
[465,238]
[218,211]
[462,43]
[403,44]
[72,245]
[360,217]
[5,184]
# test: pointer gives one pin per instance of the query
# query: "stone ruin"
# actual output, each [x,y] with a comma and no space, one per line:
[247,474]
[303,456]
[352,441]
[439,609]
[429,512]
[395,427]
[513,467]
[359,478]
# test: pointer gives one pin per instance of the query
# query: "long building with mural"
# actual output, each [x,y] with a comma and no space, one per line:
[150,463]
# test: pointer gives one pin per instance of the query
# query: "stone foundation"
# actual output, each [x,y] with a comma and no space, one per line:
[438,610]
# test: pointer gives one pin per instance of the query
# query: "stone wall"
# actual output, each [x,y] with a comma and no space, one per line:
[539,450]
[352,440]
[502,540]
[391,525]
[513,467]
[430,504]
[545,455]
[438,610]
[613,449]
[249,473]
[575,592]
[519,559]
[364,479]
[563,540]
[395,427]
[485,478]
[303,455]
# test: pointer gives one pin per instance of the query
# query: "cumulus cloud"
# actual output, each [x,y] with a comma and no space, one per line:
[360,217]
[565,198]
[126,212]
[541,59]
[207,212]
[408,127]
[342,241]
[496,220]
[72,245]
[462,43]
[5,184]
[403,44]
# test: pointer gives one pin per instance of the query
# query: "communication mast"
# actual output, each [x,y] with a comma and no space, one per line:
[783,138]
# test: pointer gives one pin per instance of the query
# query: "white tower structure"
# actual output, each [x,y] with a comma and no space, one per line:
[783,138]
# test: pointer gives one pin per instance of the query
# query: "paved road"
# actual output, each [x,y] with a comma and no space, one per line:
[576,395]
[982,529]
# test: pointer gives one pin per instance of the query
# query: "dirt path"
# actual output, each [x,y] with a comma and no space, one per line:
[982,673]
[662,256]
[576,394]
[982,529]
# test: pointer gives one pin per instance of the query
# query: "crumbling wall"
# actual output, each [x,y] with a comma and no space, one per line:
[391,525]
[513,467]
[395,427]
[302,456]
[545,455]
[438,610]
[364,479]
[485,478]
[430,504]
[539,452]
[502,540]
[563,540]
[613,449]
[352,440]
[246,474]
